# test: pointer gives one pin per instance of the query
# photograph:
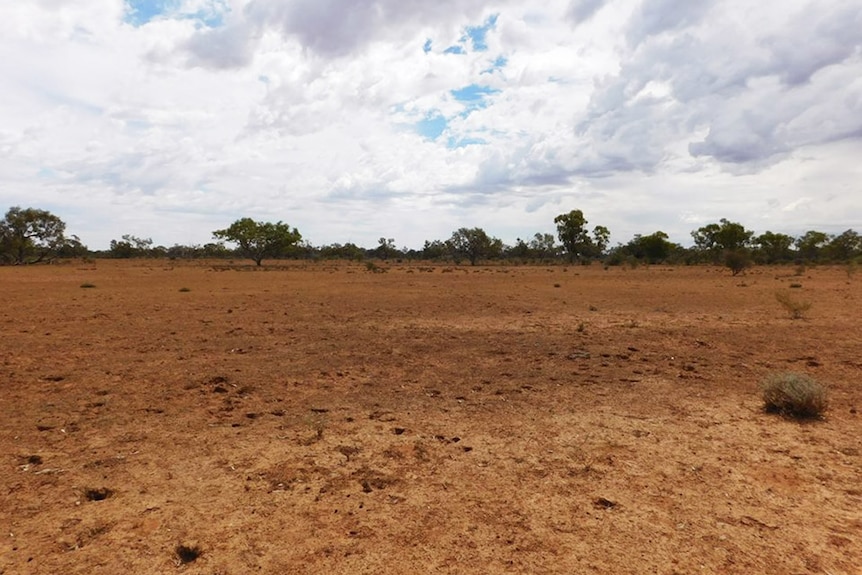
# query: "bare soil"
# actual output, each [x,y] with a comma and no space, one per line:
[319,418]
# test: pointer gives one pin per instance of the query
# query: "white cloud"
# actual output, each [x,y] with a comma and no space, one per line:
[652,114]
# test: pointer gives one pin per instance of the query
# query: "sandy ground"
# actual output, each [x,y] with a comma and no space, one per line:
[319,418]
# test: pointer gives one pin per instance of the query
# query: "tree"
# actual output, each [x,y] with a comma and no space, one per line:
[475,244]
[434,250]
[845,246]
[348,251]
[601,238]
[774,248]
[571,230]
[542,247]
[30,235]
[576,240]
[811,244]
[386,248]
[258,240]
[131,247]
[654,248]
[714,240]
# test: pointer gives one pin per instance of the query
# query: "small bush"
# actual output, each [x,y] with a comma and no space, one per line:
[87,285]
[794,395]
[796,308]
[738,261]
[185,289]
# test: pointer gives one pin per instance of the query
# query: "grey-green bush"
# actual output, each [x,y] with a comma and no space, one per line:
[794,395]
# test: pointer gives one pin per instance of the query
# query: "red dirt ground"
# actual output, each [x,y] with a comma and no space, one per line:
[319,418]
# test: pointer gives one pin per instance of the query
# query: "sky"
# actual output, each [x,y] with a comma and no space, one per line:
[354,120]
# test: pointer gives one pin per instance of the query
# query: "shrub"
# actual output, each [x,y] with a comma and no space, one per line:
[374,268]
[87,285]
[737,261]
[794,395]
[796,308]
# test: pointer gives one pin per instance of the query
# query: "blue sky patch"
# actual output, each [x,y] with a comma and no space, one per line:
[478,34]
[431,126]
[473,96]
[427,46]
[498,64]
[455,50]
[140,12]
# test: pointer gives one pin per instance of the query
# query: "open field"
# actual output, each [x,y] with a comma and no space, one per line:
[318,418]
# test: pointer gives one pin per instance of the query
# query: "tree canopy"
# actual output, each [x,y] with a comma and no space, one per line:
[474,244]
[259,240]
[576,240]
[31,235]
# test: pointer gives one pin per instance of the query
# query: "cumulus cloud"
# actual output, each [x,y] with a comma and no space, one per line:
[354,120]
[582,10]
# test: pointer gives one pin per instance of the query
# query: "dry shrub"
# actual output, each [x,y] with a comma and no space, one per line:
[795,307]
[794,395]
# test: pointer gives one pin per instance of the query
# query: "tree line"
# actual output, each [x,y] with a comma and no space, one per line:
[32,235]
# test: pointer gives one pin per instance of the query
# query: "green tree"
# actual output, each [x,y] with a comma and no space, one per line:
[30,235]
[576,240]
[258,240]
[845,246]
[434,250]
[714,240]
[543,246]
[654,248]
[773,248]
[811,244]
[386,248]
[474,244]
[601,238]
[348,251]
[131,247]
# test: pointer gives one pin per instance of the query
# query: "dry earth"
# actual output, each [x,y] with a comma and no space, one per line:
[319,418]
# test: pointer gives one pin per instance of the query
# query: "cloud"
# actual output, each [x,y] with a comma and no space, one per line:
[582,10]
[338,28]
[355,120]
[659,16]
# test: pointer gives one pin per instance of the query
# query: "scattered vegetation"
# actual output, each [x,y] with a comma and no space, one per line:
[187,553]
[797,308]
[88,285]
[794,395]
[32,235]
[737,261]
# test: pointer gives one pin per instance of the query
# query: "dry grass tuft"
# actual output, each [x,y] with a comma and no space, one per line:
[794,395]
[795,307]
